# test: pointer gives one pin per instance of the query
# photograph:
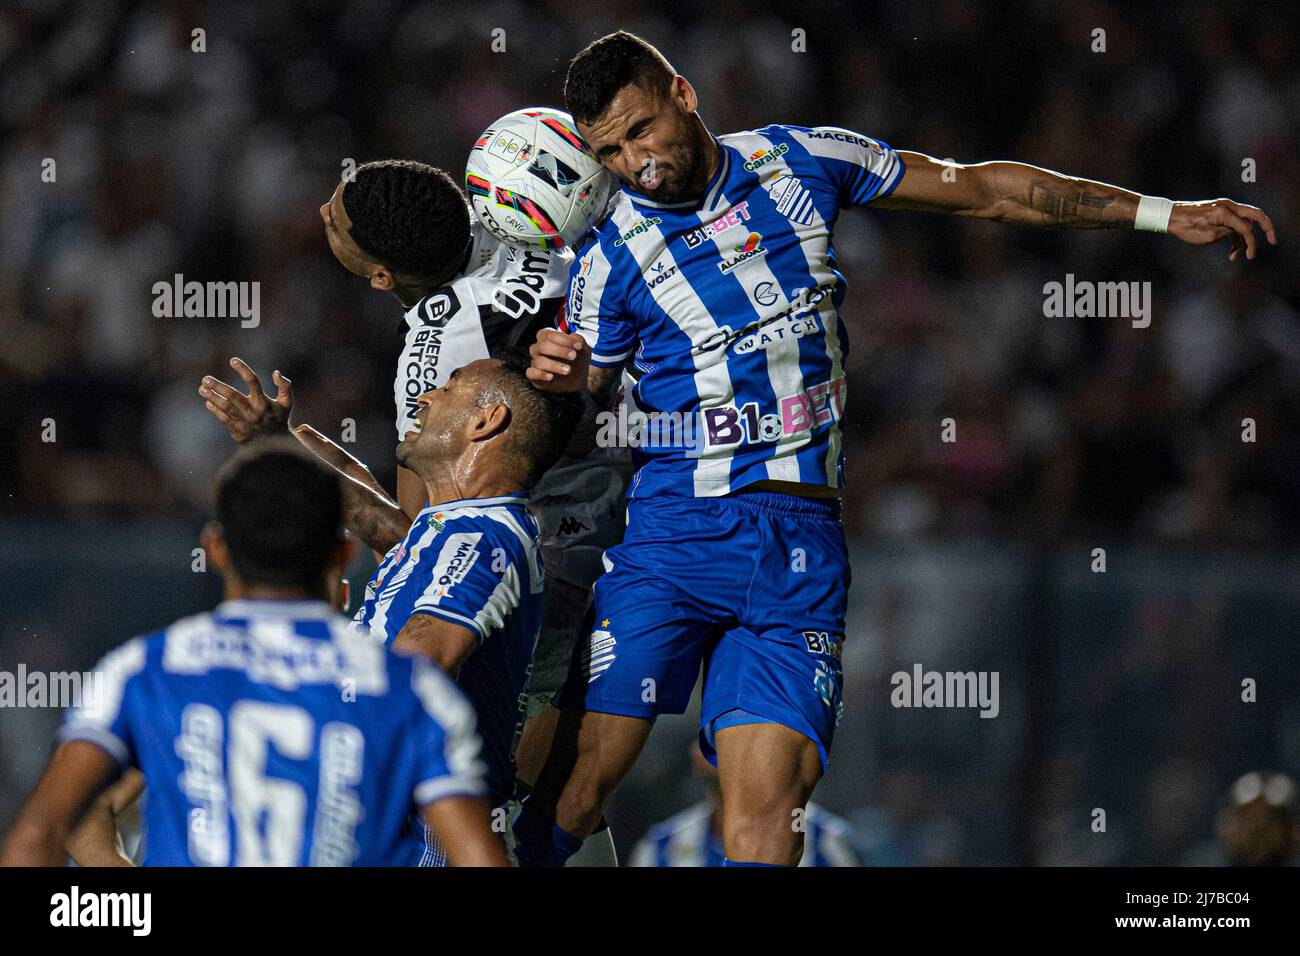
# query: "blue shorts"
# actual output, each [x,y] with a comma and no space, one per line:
[752,586]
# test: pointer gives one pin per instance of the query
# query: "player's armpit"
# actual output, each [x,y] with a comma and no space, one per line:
[96,841]
[463,827]
[442,641]
[77,774]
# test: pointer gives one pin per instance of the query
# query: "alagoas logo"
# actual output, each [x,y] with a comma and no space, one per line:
[749,249]
[762,157]
[638,228]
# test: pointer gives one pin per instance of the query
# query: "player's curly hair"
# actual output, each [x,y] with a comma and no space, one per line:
[409,216]
[607,65]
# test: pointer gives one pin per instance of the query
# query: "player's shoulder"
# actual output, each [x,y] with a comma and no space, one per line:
[609,235]
[504,518]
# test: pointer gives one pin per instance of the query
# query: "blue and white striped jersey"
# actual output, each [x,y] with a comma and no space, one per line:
[727,309]
[272,734]
[474,562]
[687,839]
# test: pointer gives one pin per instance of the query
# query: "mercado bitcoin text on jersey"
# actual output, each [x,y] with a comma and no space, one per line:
[505,295]
[272,734]
[726,309]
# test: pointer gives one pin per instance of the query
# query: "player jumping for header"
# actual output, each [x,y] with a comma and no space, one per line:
[713,280]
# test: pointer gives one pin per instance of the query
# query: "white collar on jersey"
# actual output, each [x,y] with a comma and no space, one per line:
[475,503]
[274,607]
[711,191]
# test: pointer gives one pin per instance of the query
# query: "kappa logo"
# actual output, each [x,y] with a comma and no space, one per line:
[600,653]
[570,525]
[792,199]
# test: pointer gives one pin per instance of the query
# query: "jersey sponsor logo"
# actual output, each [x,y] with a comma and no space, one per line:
[762,157]
[793,199]
[751,248]
[638,228]
[457,564]
[823,642]
[724,336]
[521,293]
[792,325]
[765,293]
[842,136]
[573,311]
[728,220]
[439,307]
[661,274]
[728,425]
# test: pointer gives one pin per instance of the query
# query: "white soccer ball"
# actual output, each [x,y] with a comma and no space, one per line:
[532,181]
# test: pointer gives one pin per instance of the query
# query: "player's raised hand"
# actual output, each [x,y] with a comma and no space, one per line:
[1214,219]
[560,361]
[252,416]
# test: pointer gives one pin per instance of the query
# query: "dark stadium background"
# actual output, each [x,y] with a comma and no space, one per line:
[1119,691]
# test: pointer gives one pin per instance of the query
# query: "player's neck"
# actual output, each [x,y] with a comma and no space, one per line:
[447,487]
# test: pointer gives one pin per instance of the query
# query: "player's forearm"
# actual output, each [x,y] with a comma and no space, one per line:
[373,517]
[34,842]
[1027,195]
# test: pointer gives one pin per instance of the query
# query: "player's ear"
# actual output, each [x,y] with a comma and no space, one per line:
[492,420]
[213,542]
[381,280]
[684,94]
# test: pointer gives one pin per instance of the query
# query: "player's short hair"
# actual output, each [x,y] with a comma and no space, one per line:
[409,216]
[541,423]
[604,67]
[281,514]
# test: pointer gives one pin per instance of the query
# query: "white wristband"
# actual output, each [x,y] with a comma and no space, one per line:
[1153,214]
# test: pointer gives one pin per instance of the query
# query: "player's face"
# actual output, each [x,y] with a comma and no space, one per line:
[337,229]
[442,422]
[648,141]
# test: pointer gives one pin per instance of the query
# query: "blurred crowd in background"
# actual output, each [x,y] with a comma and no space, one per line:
[1072,433]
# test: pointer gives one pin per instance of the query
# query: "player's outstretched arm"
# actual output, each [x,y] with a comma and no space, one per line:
[1031,196]
[463,826]
[96,841]
[255,415]
[368,511]
[78,773]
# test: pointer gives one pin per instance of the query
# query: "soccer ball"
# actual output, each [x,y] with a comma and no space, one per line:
[532,181]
